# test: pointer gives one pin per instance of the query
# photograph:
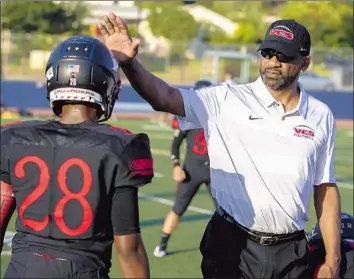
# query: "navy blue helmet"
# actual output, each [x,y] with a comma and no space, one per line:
[82,70]
[201,83]
[318,251]
[347,231]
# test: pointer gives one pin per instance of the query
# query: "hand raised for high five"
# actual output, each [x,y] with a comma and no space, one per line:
[117,39]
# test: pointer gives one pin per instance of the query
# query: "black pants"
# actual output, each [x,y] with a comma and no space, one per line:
[39,265]
[187,189]
[228,252]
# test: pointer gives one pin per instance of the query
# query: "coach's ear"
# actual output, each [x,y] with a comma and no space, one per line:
[306,63]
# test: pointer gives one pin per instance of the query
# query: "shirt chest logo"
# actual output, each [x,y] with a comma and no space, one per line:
[304,131]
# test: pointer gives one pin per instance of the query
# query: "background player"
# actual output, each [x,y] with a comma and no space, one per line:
[75,181]
[194,173]
[318,252]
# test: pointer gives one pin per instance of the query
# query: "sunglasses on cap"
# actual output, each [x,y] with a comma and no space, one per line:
[282,58]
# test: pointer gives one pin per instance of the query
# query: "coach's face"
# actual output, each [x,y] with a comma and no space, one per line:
[279,71]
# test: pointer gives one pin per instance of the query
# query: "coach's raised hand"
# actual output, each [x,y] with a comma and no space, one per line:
[117,39]
[158,93]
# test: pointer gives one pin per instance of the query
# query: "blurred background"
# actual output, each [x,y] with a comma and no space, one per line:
[183,41]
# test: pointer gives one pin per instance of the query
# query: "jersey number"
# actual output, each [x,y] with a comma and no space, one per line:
[44,179]
[200,145]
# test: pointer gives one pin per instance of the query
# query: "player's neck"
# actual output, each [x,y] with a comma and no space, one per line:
[76,114]
[74,119]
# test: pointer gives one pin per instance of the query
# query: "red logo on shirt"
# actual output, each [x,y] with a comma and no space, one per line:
[304,132]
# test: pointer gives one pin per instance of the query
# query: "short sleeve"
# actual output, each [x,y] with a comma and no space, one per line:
[201,105]
[325,161]
[136,164]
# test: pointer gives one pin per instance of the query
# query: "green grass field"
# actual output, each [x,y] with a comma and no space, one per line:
[184,260]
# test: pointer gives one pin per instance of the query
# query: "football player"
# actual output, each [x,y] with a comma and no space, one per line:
[74,181]
[318,253]
[189,178]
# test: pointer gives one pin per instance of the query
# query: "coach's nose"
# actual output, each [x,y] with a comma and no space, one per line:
[274,62]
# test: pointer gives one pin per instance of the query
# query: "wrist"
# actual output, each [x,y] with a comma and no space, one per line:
[176,164]
[129,63]
[333,259]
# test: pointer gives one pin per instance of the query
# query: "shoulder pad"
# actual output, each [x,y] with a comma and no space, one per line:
[22,124]
[124,136]
[111,130]
[8,129]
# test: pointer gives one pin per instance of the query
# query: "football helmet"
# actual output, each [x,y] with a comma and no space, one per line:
[318,252]
[201,83]
[82,70]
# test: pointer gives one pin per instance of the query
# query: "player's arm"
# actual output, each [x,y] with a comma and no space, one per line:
[327,199]
[135,170]
[8,204]
[178,137]
[131,254]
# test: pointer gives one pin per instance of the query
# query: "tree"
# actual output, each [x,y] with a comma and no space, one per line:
[330,23]
[248,15]
[176,25]
[44,17]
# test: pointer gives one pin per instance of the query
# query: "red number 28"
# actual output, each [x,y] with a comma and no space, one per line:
[44,179]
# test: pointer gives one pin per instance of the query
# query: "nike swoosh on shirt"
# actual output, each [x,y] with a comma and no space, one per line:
[254,118]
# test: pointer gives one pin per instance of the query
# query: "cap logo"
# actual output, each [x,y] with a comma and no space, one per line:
[282,33]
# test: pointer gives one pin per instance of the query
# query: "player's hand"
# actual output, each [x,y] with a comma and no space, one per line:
[328,271]
[178,174]
[117,39]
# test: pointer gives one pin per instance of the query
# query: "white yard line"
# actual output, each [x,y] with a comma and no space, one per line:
[171,203]
[345,185]
[163,152]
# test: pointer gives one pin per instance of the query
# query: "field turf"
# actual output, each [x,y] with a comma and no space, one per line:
[156,200]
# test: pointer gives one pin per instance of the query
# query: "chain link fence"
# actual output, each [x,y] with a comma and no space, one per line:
[24,57]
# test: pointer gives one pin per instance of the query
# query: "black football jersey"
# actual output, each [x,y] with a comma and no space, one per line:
[196,150]
[64,177]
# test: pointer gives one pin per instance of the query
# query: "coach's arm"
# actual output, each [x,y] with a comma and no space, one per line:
[327,199]
[328,208]
[155,91]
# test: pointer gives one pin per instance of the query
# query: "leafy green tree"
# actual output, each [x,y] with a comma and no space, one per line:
[44,17]
[40,25]
[214,35]
[329,23]
[248,15]
[176,25]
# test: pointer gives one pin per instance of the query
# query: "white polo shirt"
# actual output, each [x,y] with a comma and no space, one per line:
[263,161]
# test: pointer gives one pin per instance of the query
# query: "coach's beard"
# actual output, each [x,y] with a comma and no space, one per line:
[277,83]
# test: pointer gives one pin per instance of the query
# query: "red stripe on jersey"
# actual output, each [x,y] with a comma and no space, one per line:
[6,201]
[125,131]
[11,123]
[175,124]
[141,167]
[315,274]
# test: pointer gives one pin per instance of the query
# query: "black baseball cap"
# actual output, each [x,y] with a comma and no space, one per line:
[287,36]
